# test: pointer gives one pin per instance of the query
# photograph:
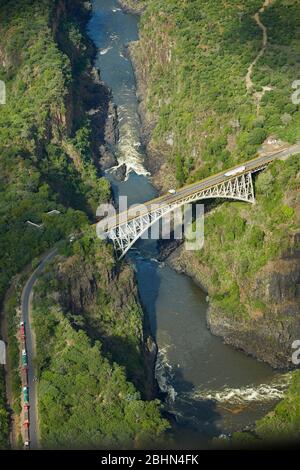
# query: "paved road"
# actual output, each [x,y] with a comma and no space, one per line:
[206,183]
[30,346]
[251,165]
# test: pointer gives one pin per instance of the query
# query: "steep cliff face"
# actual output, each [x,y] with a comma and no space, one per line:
[101,297]
[158,150]
[268,326]
[191,63]
[250,266]
[92,288]
[267,334]
[91,354]
[88,98]
[133,6]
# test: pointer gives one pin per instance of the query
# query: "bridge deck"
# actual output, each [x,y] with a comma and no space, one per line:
[250,166]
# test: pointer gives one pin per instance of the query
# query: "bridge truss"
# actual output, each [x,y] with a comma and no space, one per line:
[125,234]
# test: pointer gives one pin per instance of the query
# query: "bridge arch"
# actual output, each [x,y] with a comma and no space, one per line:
[125,234]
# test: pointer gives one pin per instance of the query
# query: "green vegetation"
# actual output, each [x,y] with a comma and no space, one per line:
[234,233]
[281,426]
[4,429]
[284,422]
[46,160]
[109,311]
[13,356]
[134,5]
[194,57]
[85,398]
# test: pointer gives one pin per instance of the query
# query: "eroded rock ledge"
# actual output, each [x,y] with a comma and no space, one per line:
[266,334]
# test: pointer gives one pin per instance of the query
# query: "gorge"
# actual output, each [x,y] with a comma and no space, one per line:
[168,348]
[178,321]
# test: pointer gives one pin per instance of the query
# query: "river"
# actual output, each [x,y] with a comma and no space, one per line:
[211,389]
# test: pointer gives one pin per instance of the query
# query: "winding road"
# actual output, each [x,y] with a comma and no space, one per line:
[250,166]
[26,301]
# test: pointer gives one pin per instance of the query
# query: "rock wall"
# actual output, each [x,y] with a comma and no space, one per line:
[88,95]
[133,6]
[157,160]
[265,317]
[266,331]
[102,298]
[99,295]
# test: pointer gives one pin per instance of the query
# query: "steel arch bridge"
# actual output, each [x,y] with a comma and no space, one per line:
[235,184]
[125,234]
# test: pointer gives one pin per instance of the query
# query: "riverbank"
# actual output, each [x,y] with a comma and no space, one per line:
[89,96]
[96,99]
[97,335]
[61,180]
[136,7]
[165,278]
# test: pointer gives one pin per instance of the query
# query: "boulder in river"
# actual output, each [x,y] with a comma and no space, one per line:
[107,159]
[120,172]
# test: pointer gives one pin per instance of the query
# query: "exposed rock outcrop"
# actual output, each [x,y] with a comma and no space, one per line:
[265,317]
[133,6]
[156,160]
[102,297]
[120,172]
[88,97]
[267,332]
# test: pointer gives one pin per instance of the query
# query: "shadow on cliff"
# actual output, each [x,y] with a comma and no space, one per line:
[147,269]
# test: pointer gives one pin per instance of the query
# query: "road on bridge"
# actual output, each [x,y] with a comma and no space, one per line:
[26,300]
[250,166]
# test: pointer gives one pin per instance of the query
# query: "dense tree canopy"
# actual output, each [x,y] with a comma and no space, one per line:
[195,56]
[45,163]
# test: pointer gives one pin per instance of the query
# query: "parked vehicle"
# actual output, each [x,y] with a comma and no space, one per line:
[22,330]
[26,413]
[24,358]
[24,376]
[172,191]
[236,171]
[26,395]
[26,438]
